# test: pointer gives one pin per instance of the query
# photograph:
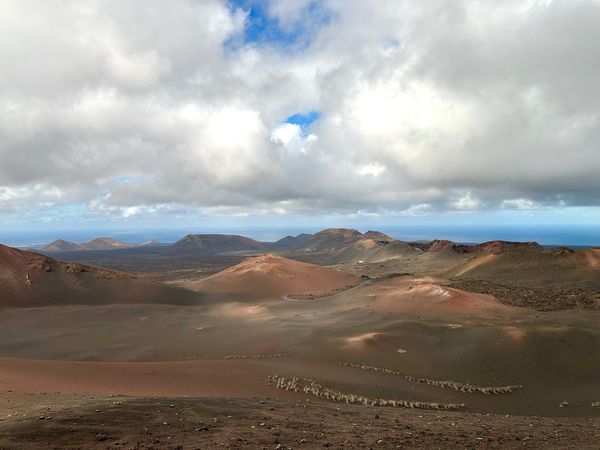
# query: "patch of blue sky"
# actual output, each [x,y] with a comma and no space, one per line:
[304,120]
[263,29]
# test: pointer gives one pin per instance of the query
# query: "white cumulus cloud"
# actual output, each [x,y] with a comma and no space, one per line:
[424,106]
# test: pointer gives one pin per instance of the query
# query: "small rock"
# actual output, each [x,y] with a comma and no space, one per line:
[101,437]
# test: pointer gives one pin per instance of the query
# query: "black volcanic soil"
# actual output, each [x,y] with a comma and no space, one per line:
[166,423]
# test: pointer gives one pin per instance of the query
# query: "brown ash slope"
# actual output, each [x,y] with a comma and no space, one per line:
[32,279]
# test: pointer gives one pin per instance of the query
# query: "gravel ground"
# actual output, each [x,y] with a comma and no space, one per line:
[148,423]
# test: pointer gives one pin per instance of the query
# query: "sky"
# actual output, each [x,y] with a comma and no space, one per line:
[122,114]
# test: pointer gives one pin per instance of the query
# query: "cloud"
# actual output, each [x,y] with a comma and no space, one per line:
[286,133]
[419,107]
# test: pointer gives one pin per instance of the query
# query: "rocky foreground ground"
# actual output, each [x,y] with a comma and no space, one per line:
[44,422]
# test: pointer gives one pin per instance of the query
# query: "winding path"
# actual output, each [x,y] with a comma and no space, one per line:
[286,297]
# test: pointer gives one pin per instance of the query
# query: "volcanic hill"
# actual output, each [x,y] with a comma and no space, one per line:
[101,243]
[270,276]
[341,245]
[212,243]
[31,279]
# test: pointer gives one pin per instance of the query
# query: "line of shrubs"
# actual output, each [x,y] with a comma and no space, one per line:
[445,384]
[309,386]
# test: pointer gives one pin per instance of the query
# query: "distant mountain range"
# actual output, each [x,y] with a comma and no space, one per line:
[330,246]
[101,243]
[501,262]
[339,246]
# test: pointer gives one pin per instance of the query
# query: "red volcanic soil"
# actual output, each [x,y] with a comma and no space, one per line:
[270,276]
[425,297]
[31,279]
[179,379]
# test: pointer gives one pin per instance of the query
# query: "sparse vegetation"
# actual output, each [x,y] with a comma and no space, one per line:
[309,386]
[595,404]
[445,384]
[540,299]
